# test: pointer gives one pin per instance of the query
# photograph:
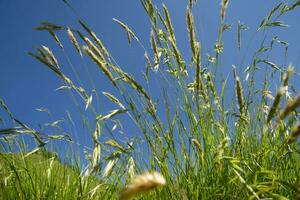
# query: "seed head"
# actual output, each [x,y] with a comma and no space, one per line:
[142,184]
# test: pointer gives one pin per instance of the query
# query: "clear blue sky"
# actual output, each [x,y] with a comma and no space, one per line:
[25,84]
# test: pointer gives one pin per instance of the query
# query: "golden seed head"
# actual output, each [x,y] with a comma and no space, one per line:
[74,41]
[142,184]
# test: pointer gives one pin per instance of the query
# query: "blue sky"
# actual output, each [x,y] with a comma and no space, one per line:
[26,84]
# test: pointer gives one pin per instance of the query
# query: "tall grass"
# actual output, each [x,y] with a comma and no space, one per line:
[203,144]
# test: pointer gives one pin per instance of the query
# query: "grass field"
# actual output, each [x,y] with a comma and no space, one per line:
[197,142]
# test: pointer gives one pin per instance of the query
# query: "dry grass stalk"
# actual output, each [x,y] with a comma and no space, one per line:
[290,107]
[74,41]
[142,184]
[294,134]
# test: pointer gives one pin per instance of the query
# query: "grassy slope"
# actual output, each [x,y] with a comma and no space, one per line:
[40,176]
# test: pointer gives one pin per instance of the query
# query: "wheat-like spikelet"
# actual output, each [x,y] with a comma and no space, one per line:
[290,107]
[131,168]
[212,88]
[191,30]
[100,64]
[96,39]
[199,82]
[239,91]
[148,61]
[142,184]
[97,146]
[275,105]
[224,5]
[109,167]
[54,36]
[170,28]
[74,41]
[191,3]
[197,144]
[221,148]
[286,77]
[51,55]
[294,134]
[177,53]
[45,58]
[94,48]
[49,170]
[155,49]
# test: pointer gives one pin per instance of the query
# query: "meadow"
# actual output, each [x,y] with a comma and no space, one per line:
[202,136]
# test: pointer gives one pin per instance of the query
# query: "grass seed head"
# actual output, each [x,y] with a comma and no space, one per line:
[287,75]
[94,48]
[100,64]
[197,144]
[276,103]
[290,107]
[142,184]
[109,167]
[294,134]
[74,41]
[224,5]
[51,56]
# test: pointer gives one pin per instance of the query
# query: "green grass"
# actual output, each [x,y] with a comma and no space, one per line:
[206,144]
[40,176]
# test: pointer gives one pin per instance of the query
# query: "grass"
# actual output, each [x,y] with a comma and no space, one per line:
[203,144]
